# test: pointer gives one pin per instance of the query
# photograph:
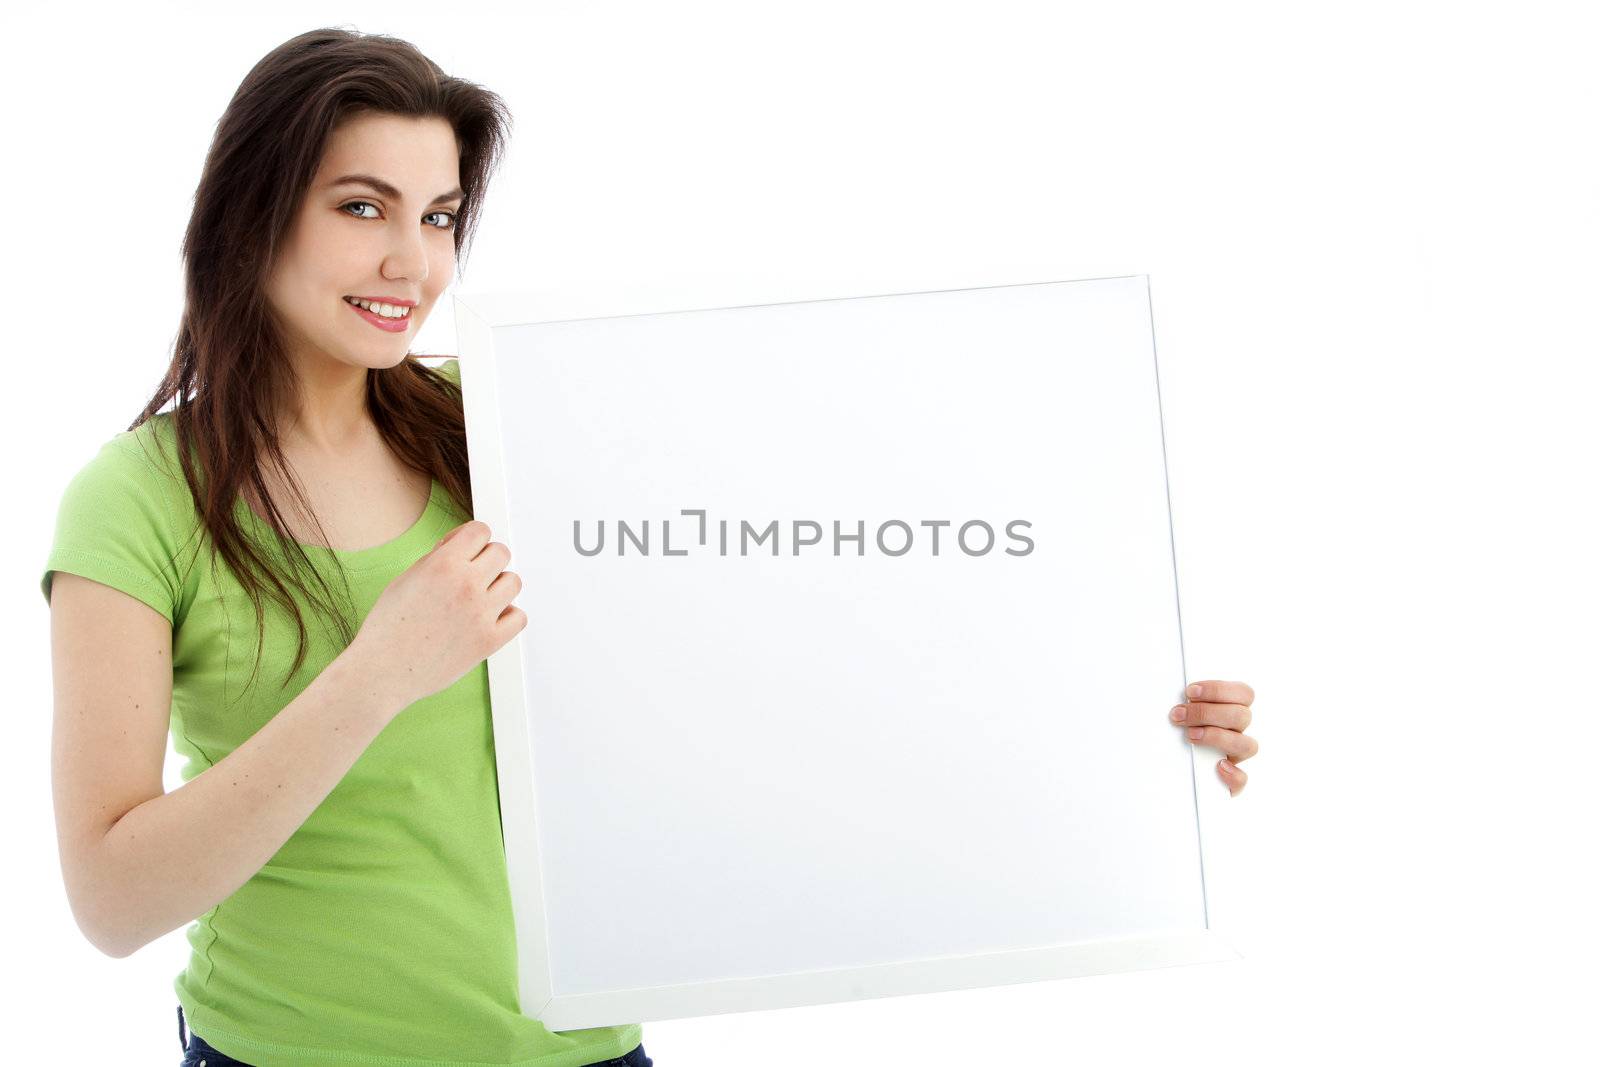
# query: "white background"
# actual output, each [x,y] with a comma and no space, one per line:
[1371,234]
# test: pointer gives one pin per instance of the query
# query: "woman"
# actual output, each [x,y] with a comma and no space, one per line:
[340,791]
[340,788]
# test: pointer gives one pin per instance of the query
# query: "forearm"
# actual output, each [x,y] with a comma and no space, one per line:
[241,811]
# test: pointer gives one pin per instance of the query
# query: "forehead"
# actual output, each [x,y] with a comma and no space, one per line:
[420,155]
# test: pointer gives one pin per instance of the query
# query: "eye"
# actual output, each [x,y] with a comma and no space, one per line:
[450,225]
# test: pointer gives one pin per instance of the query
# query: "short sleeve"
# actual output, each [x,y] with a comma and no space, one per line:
[114,525]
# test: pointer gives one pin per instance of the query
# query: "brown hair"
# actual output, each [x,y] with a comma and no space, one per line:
[229,372]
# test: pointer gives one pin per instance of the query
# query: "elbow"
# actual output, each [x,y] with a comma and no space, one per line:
[116,946]
[107,942]
[103,936]
[117,950]
[99,907]
[117,942]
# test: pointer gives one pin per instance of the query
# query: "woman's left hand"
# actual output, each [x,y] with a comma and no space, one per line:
[1217,714]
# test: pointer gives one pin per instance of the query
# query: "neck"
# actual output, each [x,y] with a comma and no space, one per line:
[330,413]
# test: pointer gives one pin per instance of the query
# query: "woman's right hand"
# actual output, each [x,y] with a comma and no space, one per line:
[443,615]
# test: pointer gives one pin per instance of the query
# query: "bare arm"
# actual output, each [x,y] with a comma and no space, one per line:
[126,844]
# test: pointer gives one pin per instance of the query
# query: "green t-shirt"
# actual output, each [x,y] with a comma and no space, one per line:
[381,932]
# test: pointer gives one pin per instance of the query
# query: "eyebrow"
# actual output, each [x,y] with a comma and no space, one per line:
[383,188]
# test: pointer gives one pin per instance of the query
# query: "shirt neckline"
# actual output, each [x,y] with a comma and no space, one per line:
[402,547]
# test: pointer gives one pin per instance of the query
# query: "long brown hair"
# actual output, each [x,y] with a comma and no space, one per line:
[229,372]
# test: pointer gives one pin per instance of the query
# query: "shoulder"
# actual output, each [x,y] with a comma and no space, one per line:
[144,456]
[135,470]
[155,440]
[451,368]
[117,520]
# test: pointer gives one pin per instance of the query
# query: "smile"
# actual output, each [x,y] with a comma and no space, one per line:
[397,321]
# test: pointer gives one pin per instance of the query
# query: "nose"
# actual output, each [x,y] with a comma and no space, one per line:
[407,259]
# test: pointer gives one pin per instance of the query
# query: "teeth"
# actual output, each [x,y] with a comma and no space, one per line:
[388,311]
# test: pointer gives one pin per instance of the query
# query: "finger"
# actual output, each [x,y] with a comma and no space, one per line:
[491,560]
[1232,776]
[1233,744]
[467,539]
[1220,692]
[1200,713]
[505,588]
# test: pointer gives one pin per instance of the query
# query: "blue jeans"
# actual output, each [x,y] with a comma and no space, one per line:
[196,1051]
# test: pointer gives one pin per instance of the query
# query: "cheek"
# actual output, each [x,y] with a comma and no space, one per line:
[441,268]
[295,295]
[306,280]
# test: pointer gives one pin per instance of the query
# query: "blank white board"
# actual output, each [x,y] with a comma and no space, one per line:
[750,760]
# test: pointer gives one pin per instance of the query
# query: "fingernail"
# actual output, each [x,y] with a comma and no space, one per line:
[1226,765]
[1195,690]
[1196,733]
[1179,712]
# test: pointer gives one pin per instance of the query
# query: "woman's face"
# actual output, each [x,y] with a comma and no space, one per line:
[393,242]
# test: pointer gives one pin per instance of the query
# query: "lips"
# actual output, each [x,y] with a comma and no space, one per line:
[398,302]
[387,325]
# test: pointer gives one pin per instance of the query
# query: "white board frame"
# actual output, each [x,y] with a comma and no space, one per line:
[478,316]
